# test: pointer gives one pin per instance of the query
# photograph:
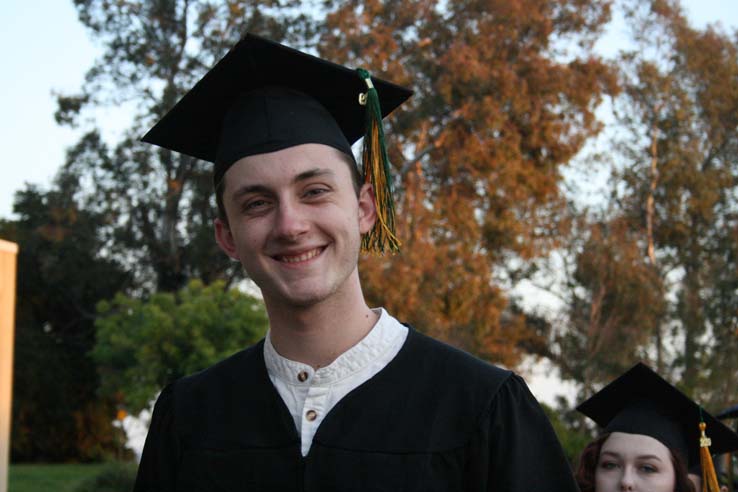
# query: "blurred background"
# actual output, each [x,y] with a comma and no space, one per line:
[567,186]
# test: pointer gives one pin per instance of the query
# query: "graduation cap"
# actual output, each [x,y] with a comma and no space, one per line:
[642,402]
[728,413]
[263,97]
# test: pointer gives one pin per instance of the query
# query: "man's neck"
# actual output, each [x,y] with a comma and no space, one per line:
[316,335]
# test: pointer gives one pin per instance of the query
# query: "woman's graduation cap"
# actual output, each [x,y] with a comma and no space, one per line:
[728,413]
[642,402]
[264,97]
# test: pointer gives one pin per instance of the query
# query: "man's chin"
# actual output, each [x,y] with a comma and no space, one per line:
[297,299]
[307,300]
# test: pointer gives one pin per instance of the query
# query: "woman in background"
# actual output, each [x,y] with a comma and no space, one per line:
[620,461]
[651,435]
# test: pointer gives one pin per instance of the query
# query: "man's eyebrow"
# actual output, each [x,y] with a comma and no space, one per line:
[247,189]
[313,173]
[305,175]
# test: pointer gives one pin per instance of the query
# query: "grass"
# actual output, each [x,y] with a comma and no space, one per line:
[57,478]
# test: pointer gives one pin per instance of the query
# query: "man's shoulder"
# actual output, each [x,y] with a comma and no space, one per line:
[448,362]
[237,369]
[230,403]
[446,395]
[430,374]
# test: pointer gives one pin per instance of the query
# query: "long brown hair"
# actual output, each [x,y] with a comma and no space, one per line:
[590,456]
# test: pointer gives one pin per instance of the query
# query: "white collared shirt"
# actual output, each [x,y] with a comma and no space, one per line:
[310,394]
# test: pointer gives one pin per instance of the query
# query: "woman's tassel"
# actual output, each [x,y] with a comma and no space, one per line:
[709,477]
[376,168]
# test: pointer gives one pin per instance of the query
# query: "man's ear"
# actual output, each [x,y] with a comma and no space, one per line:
[367,208]
[224,238]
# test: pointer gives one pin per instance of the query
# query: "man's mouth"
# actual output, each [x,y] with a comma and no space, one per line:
[305,256]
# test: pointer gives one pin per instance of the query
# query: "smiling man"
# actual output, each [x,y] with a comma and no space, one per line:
[338,396]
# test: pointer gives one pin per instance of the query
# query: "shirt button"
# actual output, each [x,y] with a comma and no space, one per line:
[302,376]
[311,415]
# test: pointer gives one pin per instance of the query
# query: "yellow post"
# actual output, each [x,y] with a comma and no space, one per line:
[8,255]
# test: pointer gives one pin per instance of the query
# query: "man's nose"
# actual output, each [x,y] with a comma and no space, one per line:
[292,220]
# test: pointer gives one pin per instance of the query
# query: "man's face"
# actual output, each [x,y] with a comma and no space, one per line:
[295,223]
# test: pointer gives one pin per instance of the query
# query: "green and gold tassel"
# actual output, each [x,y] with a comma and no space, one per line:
[376,168]
[709,477]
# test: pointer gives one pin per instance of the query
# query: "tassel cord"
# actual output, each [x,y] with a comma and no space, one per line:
[709,477]
[376,169]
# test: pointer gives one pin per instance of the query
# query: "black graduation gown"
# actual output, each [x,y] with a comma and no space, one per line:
[434,419]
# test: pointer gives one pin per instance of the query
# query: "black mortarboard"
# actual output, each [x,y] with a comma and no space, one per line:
[728,413]
[263,96]
[642,402]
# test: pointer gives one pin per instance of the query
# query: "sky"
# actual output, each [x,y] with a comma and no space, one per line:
[44,49]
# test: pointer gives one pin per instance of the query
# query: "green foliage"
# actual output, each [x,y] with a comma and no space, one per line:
[653,276]
[61,276]
[718,363]
[572,438]
[107,477]
[142,345]
[615,302]
[680,152]
[114,477]
[43,477]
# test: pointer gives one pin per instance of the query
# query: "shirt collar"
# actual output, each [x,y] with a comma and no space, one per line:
[379,339]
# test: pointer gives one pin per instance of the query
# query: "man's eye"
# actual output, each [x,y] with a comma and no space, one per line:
[313,192]
[254,205]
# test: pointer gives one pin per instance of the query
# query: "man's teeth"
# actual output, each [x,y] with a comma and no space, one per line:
[302,257]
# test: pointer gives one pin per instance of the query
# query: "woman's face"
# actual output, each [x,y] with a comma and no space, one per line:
[634,462]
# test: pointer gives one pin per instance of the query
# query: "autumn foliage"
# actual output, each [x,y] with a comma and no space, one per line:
[499,107]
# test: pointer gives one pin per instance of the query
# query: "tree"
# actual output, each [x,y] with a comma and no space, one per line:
[500,106]
[159,203]
[615,299]
[681,108]
[56,414]
[720,364]
[142,345]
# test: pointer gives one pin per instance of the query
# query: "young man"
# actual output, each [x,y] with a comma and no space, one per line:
[338,396]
